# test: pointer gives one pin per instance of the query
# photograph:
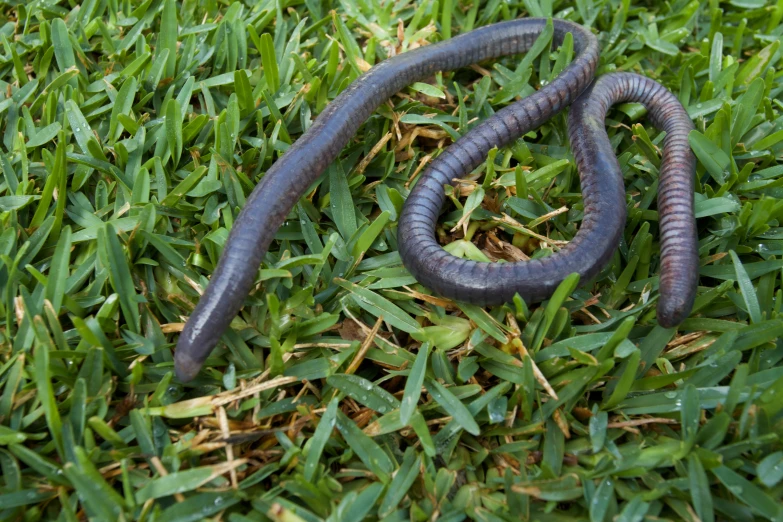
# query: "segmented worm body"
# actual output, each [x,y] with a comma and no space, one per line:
[604,202]
[288,179]
[596,161]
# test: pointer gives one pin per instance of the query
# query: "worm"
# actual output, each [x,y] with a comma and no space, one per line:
[289,178]
[678,234]
[604,202]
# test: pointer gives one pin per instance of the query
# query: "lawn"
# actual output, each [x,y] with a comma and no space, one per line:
[132,134]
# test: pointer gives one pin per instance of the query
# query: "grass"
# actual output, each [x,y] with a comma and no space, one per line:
[132,132]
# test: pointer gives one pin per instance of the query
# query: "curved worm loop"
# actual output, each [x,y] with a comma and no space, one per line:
[678,233]
[603,195]
[289,178]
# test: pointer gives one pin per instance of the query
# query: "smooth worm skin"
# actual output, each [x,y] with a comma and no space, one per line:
[604,203]
[288,179]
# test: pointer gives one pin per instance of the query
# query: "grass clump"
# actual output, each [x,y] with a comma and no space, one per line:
[132,132]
